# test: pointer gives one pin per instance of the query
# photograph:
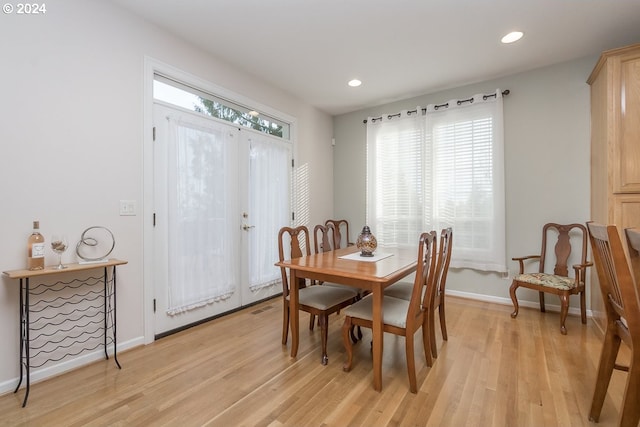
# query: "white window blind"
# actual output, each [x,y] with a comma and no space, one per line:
[441,169]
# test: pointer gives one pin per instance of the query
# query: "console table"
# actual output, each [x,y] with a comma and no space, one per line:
[62,315]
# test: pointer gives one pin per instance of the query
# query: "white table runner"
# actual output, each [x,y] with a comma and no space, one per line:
[377,256]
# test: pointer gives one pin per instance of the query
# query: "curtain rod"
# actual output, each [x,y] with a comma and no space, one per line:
[446,104]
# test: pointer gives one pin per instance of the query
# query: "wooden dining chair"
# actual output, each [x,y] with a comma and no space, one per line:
[403,290]
[323,242]
[400,317]
[323,236]
[341,232]
[558,282]
[320,301]
[437,300]
[618,285]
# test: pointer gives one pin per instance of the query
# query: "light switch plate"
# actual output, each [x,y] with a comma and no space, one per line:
[127,207]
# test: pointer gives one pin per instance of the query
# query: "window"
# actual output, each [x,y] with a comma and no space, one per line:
[187,97]
[441,169]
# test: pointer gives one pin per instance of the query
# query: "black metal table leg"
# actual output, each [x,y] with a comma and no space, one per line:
[115,344]
[24,340]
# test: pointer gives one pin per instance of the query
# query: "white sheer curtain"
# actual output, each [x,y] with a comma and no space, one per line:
[441,169]
[202,207]
[466,143]
[270,206]
[395,183]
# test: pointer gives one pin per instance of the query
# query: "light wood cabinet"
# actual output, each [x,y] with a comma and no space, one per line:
[615,147]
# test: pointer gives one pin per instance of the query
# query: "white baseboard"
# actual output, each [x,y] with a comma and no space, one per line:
[507,301]
[68,365]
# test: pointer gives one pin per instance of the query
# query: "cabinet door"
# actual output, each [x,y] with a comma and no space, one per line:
[626,212]
[626,177]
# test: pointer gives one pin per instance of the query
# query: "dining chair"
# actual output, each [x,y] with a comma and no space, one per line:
[340,229]
[558,282]
[403,290]
[323,236]
[399,316]
[618,285]
[320,301]
[323,240]
[437,300]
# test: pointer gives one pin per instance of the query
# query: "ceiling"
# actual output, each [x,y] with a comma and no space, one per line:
[398,48]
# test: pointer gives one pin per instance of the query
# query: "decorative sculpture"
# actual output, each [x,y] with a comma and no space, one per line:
[87,241]
[366,242]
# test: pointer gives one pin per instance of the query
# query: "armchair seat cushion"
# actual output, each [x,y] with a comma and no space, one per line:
[547,280]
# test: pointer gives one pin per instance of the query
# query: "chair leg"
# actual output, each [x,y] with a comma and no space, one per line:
[426,342]
[285,323]
[355,337]
[583,308]
[564,310]
[514,299]
[324,332]
[312,321]
[411,363]
[346,330]
[541,295]
[443,322]
[431,318]
[608,355]
[630,409]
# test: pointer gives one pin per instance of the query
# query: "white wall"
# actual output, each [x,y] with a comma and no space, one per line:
[547,164]
[71,103]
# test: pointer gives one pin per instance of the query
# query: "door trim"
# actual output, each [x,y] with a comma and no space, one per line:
[151,67]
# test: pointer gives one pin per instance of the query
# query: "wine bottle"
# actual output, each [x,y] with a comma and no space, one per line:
[35,243]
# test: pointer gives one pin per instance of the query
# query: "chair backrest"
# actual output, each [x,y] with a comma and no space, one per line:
[340,232]
[444,259]
[633,314]
[617,285]
[425,274]
[298,239]
[323,236]
[633,246]
[563,248]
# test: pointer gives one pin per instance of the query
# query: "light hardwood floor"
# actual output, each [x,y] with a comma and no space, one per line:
[233,371]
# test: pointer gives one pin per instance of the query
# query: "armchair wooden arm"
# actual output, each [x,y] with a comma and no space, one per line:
[581,272]
[521,261]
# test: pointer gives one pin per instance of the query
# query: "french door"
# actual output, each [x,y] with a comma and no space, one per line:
[220,196]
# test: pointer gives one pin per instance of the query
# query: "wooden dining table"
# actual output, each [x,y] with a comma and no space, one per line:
[371,275]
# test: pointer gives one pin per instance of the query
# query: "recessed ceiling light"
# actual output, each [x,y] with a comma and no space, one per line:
[513,36]
[355,83]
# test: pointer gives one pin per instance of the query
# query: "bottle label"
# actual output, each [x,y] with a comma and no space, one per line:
[37,250]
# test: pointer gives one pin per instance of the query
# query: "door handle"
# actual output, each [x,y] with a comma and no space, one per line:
[246,227]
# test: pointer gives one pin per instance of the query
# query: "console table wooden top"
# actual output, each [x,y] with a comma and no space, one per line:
[51,269]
